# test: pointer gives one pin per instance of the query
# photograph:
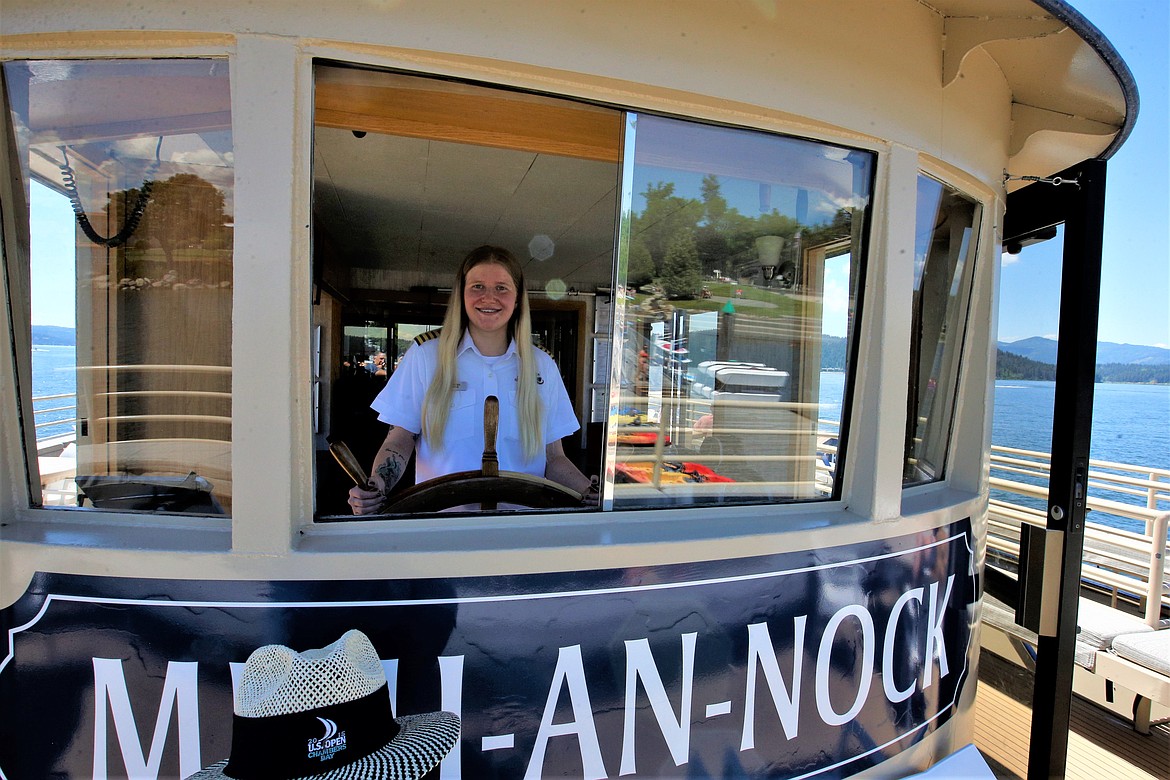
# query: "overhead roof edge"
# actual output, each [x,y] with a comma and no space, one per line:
[1110,56]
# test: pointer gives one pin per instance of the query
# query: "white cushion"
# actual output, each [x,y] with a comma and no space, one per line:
[1098,625]
[1151,650]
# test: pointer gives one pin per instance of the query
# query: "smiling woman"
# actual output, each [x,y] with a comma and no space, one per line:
[476,386]
[489,299]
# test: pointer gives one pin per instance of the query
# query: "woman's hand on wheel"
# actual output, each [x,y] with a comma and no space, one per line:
[591,496]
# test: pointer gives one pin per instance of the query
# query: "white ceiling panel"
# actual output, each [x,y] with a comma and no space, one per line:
[418,206]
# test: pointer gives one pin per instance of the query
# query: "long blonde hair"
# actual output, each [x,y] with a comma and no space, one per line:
[437,405]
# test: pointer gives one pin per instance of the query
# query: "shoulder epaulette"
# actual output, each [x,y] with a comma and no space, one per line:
[430,335]
[544,349]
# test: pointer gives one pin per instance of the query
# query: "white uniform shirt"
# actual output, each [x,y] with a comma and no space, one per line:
[401,403]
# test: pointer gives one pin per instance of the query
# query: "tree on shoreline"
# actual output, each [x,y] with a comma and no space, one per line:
[1012,366]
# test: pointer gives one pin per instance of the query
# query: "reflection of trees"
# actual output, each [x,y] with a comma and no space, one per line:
[722,239]
[185,211]
[715,237]
[666,215]
[839,227]
[641,266]
[184,217]
[681,276]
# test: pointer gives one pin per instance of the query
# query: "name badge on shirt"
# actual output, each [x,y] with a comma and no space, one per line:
[460,386]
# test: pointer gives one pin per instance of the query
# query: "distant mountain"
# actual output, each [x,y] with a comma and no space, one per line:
[1044,351]
[1134,354]
[54,335]
[1012,366]
[1035,348]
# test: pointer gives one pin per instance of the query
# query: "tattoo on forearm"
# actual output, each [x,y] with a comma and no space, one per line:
[390,470]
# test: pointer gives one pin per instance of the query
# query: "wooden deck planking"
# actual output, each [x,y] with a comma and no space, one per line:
[1101,745]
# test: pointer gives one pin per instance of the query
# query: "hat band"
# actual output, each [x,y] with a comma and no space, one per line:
[281,747]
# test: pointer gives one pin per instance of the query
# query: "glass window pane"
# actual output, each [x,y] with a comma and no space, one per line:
[128,169]
[739,294]
[410,174]
[944,252]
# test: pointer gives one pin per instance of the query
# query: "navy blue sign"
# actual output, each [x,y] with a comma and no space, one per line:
[818,663]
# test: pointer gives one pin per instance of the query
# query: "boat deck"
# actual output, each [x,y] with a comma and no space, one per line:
[1101,745]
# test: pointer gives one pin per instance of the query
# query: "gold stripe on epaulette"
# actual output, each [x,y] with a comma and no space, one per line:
[430,335]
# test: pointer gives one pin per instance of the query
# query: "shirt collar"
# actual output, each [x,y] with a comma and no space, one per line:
[468,343]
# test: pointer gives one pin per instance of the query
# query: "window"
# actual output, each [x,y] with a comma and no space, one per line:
[738,292]
[944,251]
[409,175]
[702,332]
[128,174]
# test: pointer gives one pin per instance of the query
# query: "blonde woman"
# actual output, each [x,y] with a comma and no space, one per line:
[433,402]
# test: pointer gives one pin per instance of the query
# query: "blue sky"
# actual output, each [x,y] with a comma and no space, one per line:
[1135,285]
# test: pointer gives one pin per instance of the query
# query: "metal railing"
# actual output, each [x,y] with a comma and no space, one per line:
[1125,552]
[171,431]
[50,416]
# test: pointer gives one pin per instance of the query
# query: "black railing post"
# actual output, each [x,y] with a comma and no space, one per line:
[1072,419]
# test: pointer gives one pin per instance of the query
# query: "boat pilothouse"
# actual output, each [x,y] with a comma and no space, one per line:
[758,246]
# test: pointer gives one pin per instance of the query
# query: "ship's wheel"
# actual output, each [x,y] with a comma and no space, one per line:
[488,487]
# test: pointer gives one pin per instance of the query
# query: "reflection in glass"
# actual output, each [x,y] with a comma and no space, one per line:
[943,254]
[739,299]
[128,165]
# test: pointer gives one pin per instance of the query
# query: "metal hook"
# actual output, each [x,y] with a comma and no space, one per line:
[1055,181]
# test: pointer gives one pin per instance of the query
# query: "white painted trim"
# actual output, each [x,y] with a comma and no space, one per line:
[269,356]
[878,431]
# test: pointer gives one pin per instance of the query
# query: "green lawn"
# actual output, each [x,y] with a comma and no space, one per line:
[777,303]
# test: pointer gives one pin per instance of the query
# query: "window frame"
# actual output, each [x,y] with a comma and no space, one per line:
[629,112]
[19,272]
[855,314]
[970,269]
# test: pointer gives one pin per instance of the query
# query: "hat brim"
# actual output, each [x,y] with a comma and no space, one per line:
[420,745]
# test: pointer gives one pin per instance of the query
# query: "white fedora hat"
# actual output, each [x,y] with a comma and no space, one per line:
[325,714]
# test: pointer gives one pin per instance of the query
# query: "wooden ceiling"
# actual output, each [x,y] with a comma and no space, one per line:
[410,174]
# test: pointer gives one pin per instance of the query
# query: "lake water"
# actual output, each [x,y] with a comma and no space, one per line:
[1131,423]
[54,374]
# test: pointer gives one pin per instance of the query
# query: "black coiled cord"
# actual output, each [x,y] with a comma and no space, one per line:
[132,219]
